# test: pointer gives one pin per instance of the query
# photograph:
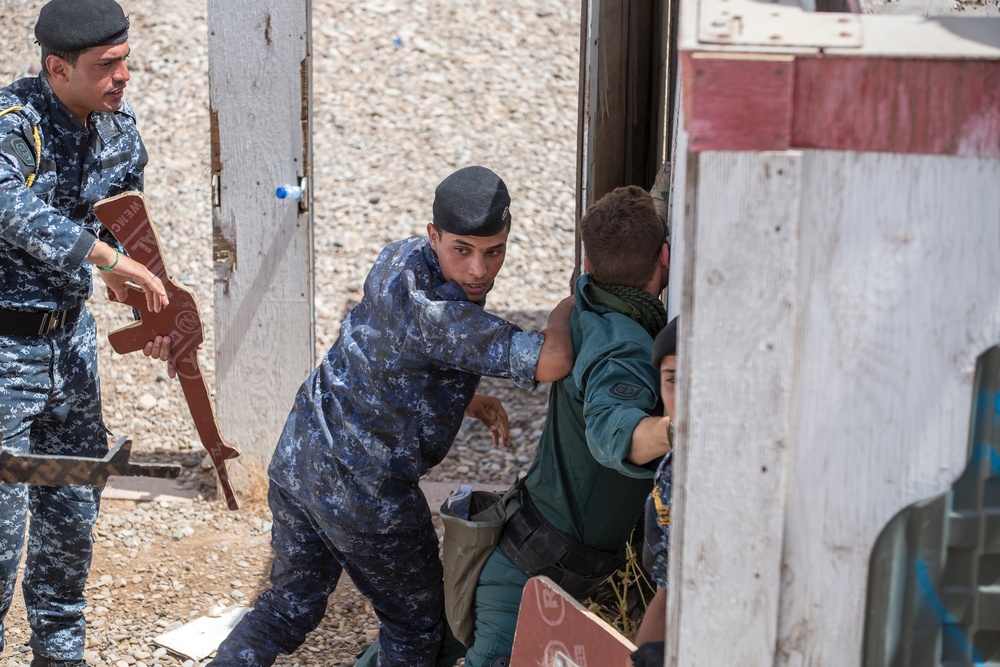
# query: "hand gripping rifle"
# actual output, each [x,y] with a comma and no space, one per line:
[127,218]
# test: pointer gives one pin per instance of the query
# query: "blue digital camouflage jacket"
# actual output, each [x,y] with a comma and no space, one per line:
[387,400]
[48,229]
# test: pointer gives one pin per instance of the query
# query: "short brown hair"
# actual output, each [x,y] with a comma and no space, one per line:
[622,235]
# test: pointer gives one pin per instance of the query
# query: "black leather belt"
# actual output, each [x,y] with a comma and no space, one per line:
[537,547]
[21,323]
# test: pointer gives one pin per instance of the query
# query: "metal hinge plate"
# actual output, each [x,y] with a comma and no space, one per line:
[754,23]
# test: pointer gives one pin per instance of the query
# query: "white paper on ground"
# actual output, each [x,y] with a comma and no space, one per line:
[197,639]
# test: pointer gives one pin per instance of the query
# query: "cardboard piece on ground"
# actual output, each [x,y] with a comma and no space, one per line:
[555,630]
[146,489]
[199,638]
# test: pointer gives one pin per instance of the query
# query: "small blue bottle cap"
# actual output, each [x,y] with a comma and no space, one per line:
[281,192]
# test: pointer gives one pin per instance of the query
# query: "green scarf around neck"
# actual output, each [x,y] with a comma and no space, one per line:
[633,302]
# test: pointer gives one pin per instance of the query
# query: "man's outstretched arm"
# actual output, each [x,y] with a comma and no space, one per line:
[556,358]
[650,440]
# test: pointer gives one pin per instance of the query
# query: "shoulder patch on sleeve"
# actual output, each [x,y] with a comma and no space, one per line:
[625,391]
[16,146]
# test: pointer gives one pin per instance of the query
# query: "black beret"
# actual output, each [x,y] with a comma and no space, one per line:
[472,202]
[65,26]
[665,343]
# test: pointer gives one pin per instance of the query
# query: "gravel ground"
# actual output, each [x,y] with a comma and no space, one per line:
[404,93]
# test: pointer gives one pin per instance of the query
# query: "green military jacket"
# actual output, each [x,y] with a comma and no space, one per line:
[580,480]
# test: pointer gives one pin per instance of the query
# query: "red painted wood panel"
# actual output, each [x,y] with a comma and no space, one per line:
[940,107]
[553,629]
[746,102]
[742,103]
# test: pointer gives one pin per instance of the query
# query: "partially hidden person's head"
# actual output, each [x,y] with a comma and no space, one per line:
[469,232]
[665,361]
[625,240]
[84,46]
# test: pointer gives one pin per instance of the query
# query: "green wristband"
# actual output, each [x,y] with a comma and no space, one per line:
[113,264]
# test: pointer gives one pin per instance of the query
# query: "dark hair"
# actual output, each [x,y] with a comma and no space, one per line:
[622,236]
[71,57]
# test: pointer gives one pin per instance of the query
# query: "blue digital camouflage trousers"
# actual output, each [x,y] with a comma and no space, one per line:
[50,403]
[656,543]
[497,605]
[399,573]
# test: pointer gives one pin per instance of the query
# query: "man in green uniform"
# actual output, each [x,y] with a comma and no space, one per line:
[604,433]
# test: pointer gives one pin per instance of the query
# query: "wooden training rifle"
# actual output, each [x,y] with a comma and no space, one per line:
[50,470]
[127,218]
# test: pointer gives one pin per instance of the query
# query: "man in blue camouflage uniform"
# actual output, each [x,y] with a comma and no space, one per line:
[656,544]
[67,140]
[381,409]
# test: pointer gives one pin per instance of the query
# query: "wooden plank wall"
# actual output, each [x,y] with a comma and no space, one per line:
[622,95]
[609,96]
[932,7]
[834,307]
[259,73]
[623,133]
[676,216]
[898,299]
[737,326]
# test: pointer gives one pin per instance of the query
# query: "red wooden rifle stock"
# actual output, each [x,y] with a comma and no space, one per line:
[127,218]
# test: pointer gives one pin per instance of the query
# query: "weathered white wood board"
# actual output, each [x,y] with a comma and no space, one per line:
[898,297]
[932,7]
[737,326]
[259,79]
[675,211]
[837,352]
